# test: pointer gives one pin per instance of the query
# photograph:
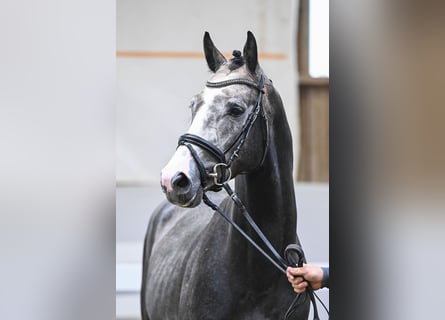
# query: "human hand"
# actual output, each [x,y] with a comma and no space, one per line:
[300,277]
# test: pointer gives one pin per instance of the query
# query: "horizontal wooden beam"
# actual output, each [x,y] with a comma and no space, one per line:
[188,55]
[310,81]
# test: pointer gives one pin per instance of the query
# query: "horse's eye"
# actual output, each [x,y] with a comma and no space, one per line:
[236,110]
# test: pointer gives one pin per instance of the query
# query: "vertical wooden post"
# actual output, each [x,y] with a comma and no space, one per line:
[314,110]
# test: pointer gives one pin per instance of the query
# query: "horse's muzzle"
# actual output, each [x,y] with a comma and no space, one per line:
[180,181]
[181,192]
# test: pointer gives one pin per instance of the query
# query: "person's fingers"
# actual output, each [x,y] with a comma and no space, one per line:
[299,284]
[298,280]
[289,275]
[295,271]
[300,287]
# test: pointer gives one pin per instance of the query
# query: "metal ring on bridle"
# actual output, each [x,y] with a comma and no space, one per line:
[219,181]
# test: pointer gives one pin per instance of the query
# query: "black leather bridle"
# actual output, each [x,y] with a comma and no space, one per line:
[221,174]
[222,169]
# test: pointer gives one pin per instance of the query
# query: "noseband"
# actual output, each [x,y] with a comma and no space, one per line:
[222,169]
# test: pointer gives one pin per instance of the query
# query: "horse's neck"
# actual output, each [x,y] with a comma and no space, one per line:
[269,197]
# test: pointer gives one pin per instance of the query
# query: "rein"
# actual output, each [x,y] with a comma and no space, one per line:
[293,253]
[221,174]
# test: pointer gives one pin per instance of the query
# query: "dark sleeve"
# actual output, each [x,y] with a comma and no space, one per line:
[325,281]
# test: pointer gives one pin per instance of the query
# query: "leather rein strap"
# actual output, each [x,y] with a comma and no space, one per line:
[293,253]
[280,264]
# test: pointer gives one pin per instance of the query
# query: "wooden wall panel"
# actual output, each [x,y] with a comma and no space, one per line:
[314,119]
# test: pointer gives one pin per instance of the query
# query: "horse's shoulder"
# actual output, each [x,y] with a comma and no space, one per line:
[171,221]
[162,214]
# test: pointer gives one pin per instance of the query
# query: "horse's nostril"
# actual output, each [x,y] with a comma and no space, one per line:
[180,180]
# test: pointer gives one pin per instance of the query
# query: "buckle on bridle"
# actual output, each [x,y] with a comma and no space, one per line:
[221,173]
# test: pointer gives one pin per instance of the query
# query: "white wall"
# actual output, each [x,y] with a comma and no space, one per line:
[153,93]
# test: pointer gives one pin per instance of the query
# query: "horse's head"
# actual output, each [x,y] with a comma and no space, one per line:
[228,134]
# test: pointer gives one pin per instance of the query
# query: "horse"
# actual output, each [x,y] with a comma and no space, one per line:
[195,264]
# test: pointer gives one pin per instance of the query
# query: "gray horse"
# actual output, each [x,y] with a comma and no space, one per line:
[195,265]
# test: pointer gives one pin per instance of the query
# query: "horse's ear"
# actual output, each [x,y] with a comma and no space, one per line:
[250,52]
[214,58]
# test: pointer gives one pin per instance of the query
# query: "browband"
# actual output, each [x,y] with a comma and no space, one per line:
[229,82]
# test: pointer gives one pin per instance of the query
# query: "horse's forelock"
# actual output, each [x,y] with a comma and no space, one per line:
[236,63]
